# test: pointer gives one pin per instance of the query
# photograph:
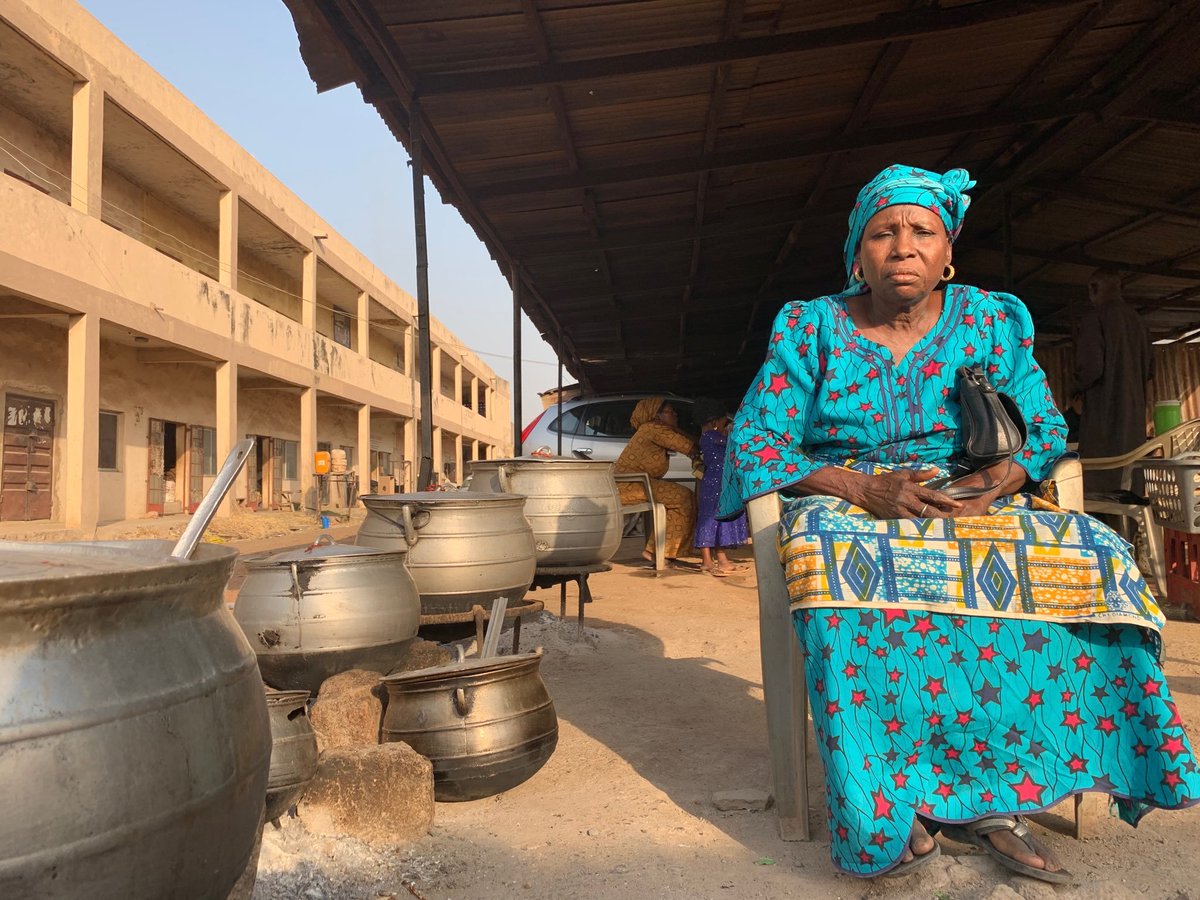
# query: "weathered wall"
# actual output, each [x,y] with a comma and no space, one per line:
[34,153]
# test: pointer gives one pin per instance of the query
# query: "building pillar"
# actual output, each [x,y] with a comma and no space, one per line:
[435,378]
[87,147]
[475,393]
[364,324]
[308,291]
[409,438]
[227,240]
[458,459]
[308,447]
[227,422]
[458,385]
[364,449]
[81,482]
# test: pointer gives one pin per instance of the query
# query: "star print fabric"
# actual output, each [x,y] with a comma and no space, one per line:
[958,717]
[827,395]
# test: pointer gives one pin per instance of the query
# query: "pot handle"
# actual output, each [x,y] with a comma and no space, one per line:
[410,530]
[460,701]
[502,471]
[323,540]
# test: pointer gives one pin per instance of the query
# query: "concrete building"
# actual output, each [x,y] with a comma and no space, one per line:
[162,296]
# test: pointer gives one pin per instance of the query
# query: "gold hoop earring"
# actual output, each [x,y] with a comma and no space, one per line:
[948,273]
[857,275]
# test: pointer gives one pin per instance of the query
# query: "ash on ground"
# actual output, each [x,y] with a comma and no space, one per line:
[298,865]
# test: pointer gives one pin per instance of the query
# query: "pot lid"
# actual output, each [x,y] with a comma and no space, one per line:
[25,561]
[443,498]
[556,461]
[322,548]
[466,667]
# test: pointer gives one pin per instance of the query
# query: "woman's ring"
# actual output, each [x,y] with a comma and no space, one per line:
[921,514]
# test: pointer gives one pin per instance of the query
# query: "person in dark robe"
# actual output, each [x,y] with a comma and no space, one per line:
[1113,362]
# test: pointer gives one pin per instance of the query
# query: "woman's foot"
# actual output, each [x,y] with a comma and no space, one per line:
[921,850]
[1008,840]
[1037,856]
[920,842]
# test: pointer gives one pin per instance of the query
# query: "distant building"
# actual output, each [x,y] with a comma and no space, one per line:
[162,296]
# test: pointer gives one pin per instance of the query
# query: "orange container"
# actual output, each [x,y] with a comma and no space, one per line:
[321,462]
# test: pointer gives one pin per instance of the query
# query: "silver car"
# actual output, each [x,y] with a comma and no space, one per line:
[598,428]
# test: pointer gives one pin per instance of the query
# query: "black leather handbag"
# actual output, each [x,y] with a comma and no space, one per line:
[992,430]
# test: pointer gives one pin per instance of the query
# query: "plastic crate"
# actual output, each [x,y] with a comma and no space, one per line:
[1173,488]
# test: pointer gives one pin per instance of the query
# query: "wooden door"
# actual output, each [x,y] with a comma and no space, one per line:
[195,467]
[26,475]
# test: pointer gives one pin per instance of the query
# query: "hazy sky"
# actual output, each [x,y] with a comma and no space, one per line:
[239,61]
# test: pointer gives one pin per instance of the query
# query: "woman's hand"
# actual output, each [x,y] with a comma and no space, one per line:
[900,495]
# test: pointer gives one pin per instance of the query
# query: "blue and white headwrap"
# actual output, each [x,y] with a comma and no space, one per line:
[896,185]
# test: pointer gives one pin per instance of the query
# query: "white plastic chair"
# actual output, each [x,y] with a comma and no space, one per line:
[1182,438]
[784,693]
[655,515]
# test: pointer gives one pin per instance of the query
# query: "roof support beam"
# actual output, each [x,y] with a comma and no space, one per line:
[882,29]
[877,136]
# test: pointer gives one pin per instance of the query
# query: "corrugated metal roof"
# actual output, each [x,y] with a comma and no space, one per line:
[664,174]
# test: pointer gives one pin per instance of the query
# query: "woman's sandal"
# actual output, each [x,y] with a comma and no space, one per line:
[917,862]
[714,570]
[976,833]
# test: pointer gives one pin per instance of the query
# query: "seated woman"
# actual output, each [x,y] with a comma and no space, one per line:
[656,431]
[968,660]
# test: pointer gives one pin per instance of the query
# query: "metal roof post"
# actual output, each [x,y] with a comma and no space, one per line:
[517,387]
[424,340]
[558,428]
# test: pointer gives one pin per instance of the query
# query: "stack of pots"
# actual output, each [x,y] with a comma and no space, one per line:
[293,750]
[572,505]
[312,613]
[134,740]
[464,548]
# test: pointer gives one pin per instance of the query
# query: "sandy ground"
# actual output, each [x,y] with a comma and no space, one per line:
[660,704]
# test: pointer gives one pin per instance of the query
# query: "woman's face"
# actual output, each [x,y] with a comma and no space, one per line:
[903,253]
[668,416]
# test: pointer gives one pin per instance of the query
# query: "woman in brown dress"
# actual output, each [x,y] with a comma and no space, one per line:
[656,425]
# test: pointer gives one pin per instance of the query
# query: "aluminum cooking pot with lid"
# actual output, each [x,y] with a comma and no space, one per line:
[464,547]
[315,612]
[134,728]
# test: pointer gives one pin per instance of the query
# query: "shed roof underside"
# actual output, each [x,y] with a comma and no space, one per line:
[664,174]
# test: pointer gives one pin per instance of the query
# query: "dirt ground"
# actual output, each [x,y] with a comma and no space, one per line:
[660,704]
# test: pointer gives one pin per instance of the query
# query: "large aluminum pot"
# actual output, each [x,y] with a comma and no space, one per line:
[313,613]
[464,547]
[293,750]
[486,724]
[571,504]
[134,744]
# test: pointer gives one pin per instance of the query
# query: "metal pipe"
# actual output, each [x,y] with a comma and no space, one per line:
[558,426]
[424,323]
[516,289]
[1008,243]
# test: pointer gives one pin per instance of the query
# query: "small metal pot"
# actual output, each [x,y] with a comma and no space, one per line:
[464,548]
[293,750]
[486,724]
[572,505]
[313,613]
